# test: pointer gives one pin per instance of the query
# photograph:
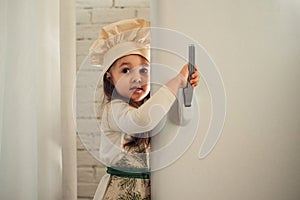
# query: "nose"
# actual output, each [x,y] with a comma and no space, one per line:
[136,77]
[137,80]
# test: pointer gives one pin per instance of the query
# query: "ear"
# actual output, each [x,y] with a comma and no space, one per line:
[108,75]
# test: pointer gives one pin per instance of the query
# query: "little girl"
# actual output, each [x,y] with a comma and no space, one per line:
[129,114]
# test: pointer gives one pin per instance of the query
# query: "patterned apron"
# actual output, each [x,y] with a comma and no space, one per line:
[130,177]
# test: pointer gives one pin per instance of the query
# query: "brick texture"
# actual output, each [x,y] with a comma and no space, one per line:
[91,15]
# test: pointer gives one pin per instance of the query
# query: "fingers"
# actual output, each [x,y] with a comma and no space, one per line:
[195,77]
[194,84]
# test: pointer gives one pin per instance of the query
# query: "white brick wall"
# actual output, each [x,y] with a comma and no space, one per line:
[94,3]
[91,15]
[132,3]
[108,15]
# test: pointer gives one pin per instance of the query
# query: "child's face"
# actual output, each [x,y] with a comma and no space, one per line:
[130,76]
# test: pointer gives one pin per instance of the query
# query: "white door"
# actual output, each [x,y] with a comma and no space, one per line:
[256,48]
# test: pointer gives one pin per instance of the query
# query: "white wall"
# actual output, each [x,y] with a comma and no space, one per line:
[256,45]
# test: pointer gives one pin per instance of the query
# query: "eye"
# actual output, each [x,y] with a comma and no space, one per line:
[144,71]
[125,70]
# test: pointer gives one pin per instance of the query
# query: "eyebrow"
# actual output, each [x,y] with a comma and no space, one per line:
[130,65]
[125,63]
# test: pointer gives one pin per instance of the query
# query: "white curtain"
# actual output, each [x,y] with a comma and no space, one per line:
[37,72]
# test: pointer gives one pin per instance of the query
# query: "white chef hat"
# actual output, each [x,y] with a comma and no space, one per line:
[130,36]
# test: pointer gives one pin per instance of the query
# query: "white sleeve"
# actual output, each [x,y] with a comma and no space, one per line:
[130,120]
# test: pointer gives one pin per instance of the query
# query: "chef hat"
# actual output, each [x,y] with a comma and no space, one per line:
[130,36]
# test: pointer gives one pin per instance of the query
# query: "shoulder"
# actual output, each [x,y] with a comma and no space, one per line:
[116,105]
[115,102]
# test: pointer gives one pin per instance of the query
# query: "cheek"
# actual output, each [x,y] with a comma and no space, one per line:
[147,89]
[121,84]
[146,78]
[120,80]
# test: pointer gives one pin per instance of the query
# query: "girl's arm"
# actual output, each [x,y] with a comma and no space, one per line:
[179,114]
[130,120]
[125,118]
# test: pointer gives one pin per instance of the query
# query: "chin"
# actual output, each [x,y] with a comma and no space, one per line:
[138,98]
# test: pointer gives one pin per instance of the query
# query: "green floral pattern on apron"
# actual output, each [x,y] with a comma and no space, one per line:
[121,188]
[124,188]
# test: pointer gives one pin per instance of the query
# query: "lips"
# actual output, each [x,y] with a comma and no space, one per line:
[136,88]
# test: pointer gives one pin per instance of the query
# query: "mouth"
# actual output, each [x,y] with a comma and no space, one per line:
[136,89]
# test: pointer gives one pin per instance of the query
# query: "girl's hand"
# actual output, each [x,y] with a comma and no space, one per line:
[180,80]
[194,79]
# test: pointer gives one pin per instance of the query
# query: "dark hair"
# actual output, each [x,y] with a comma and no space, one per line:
[140,143]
